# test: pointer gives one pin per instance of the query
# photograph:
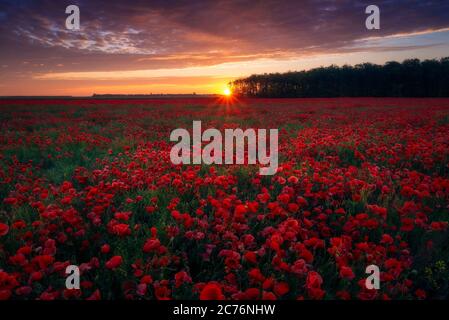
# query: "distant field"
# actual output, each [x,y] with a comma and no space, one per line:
[89,182]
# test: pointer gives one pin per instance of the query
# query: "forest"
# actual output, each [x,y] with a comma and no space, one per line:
[411,78]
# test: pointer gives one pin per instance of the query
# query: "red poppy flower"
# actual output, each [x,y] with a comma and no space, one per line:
[281,288]
[114,262]
[151,245]
[3,229]
[250,257]
[346,273]
[105,248]
[181,278]
[211,291]
[313,280]
[121,229]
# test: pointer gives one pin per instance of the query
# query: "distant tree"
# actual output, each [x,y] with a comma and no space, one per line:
[411,78]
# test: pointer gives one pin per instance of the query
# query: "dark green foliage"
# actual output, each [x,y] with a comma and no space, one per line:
[411,78]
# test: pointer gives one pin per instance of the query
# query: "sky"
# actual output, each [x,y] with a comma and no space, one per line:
[165,46]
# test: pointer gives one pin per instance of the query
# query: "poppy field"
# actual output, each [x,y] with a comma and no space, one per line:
[89,182]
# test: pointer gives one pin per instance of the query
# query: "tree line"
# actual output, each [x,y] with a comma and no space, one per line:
[411,78]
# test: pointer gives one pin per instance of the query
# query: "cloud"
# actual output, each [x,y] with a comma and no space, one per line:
[148,39]
[205,31]
[224,69]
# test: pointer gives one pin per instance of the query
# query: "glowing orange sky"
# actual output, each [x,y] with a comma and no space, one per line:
[157,47]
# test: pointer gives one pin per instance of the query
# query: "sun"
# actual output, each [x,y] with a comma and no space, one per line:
[227,92]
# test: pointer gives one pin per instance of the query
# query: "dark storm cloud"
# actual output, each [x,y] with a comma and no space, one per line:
[160,34]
